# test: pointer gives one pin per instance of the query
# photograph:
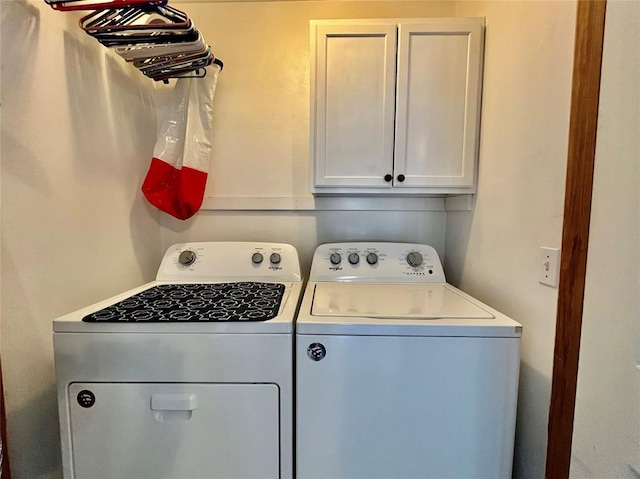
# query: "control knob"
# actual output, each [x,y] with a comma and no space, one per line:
[256,258]
[187,258]
[372,258]
[275,258]
[335,258]
[354,258]
[414,259]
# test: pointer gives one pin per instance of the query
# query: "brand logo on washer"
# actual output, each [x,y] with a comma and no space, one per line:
[86,398]
[316,351]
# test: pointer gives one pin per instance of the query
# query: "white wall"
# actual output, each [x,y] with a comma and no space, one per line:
[261,124]
[606,436]
[492,252]
[261,128]
[78,128]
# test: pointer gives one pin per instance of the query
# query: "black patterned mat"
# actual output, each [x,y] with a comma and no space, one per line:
[197,302]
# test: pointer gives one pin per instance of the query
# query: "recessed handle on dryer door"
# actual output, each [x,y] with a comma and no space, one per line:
[174,402]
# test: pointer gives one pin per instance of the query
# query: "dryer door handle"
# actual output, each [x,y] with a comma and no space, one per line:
[174,402]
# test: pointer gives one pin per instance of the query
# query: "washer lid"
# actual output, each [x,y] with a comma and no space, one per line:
[393,301]
[376,309]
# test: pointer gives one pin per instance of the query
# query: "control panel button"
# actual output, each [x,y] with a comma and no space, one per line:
[335,258]
[275,258]
[187,258]
[414,259]
[372,258]
[257,258]
[354,258]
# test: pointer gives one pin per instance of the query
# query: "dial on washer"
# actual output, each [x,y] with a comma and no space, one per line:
[354,258]
[414,259]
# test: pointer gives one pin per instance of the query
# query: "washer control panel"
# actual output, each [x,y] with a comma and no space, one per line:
[226,260]
[377,262]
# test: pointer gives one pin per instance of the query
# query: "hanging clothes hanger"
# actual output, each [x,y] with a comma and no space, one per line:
[72,5]
[162,60]
[137,34]
[161,41]
[132,40]
[196,74]
[142,51]
[145,19]
[179,66]
[99,21]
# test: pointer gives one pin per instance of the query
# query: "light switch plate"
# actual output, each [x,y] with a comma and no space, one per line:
[549,266]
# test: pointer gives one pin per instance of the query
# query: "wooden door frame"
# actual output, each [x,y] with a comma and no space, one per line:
[4,467]
[583,124]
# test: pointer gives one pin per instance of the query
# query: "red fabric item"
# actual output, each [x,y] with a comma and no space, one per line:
[178,192]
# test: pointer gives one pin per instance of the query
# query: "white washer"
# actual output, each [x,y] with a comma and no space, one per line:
[192,398]
[399,374]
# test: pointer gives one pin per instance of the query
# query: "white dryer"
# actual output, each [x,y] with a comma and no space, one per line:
[399,374]
[189,376]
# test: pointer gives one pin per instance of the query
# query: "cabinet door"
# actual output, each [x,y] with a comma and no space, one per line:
[352,108]
[438,103]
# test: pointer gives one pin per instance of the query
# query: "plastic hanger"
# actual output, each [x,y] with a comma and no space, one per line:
[71,5]
[150,18]
[192,71]
[140,51]
[133,40]
[180,67]
[160,60]
[161,41]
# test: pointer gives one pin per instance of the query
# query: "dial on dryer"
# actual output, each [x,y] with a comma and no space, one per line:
[187,258]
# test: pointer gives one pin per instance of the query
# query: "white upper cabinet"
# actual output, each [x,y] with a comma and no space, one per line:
[395,105]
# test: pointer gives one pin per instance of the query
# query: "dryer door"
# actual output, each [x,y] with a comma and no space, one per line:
[154,431]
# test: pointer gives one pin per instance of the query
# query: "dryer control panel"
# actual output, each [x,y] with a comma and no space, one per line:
[377,262]
[230,260]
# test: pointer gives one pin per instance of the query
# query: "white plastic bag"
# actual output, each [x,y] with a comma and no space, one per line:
[177,176]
